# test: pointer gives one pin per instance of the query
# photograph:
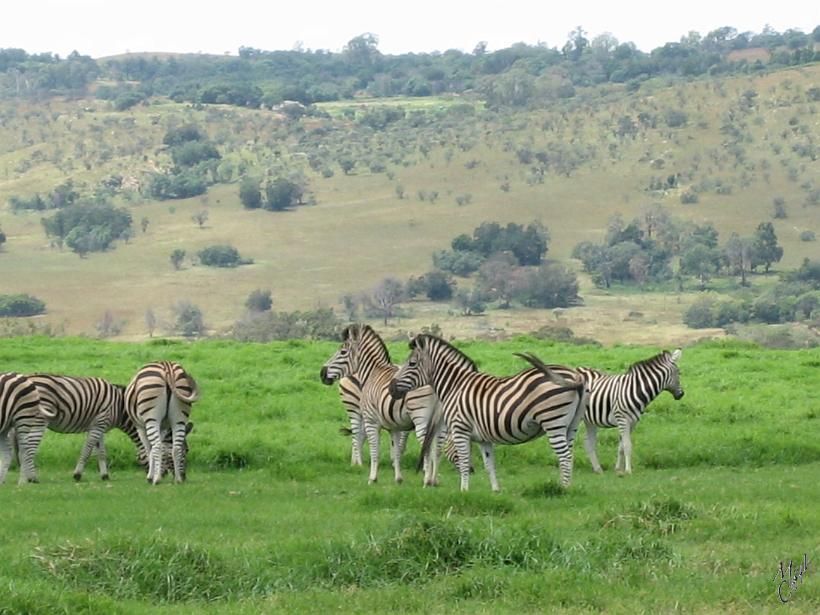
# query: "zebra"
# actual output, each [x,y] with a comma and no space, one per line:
[20,409]
[488,409]
[364,354]
[619,400]
[350,392]
[158,399]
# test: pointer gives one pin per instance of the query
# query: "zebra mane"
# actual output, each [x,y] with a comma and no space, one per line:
[367,332]
[424,339]
[659,358]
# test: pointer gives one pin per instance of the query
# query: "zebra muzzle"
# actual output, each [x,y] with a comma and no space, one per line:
[325,378]
[396,392]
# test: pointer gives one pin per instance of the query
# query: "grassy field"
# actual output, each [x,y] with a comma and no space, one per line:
[359,232]
[273,519]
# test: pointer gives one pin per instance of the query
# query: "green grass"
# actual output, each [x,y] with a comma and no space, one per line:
[273,519]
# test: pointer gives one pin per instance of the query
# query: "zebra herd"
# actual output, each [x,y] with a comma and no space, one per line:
[440,394]
[152,410]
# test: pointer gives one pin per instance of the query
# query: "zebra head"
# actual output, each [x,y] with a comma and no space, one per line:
[672,380]
[357,340]
[416,371]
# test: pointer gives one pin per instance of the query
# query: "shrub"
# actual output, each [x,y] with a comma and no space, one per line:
[268,326]
[249,193]
[177,257]
[88,228]
[551,285]
[808,236]
[457,262]
[282,193]
[221,256]
[21,305]
[259,301]
[689,197]
[192,153]
[700,315]
[183,134]
[189,319]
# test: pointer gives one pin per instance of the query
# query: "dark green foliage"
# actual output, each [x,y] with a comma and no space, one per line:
[184,134]
[549,286]
[808,236]
[436,285]
[192,153]
[126,100]
[282,194]
[177,256]
[268,326]
[221,256]
[180,185]
[259,301]
[88,228]
[21,305]
[189,320]
[766,250]
[2,238]
[458,262]
[527,245]
[249,193]
[62,196]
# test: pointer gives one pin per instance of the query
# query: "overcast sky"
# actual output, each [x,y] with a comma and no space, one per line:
[107,27]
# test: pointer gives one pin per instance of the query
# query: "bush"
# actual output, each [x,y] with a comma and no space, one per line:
[259,301]
[249,193]
[700,314]
[808,236]
[192,153]
[436,285]
[221,256]
[88,228]
[321,324]
[183,134]
[21,305]
[457,262]
[282,193]
[689,197]
[189,319]
[551,285]
[181,185]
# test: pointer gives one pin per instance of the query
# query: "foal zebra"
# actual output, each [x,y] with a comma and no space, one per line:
[364,354]
[619,400]
[20,409]
[488,409]
[158,399]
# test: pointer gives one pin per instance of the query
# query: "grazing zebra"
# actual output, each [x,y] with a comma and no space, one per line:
[488,409]
[364,354]
[158,400]
[620,400]
[20,409]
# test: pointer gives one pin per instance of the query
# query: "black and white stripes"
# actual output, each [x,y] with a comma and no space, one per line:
[492,410]
[20,410]
[158,399]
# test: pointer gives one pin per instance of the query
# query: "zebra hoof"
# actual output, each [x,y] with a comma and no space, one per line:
[371,481]
[104,477]
[77,477]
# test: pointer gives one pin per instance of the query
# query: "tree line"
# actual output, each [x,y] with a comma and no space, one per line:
[507,76]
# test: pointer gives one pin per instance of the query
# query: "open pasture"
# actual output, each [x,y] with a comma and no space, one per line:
[273,519]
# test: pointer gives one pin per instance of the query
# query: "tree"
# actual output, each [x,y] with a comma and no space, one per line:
[738,252]
[2,238]
[497,277]
[282,193]
[249,193]
[259,301]
[150,321]
[177,256]
[385,298]
[779,208]
[21,305]
[200,218]
[471,302]
[144,224]
[189,319]
[765,249]
[549,286]
[221,256]
[700,260]
[88,228]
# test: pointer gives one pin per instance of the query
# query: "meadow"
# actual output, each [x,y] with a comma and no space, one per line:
[274,519]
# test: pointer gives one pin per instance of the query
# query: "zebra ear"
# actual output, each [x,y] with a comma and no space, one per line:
[414,343]
[676,355]
[346,332]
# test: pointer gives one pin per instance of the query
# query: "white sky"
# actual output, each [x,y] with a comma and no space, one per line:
[106,27]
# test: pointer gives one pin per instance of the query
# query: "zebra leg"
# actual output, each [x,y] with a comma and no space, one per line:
[5,456]
[461,443]
[92,441]
[488,455]
[154,435]
[102,458]
[397,442]
[372,432]
[626,439]
[590,443]
[357,438]
[11,438]
[559,444]
[178,434]
[28,441]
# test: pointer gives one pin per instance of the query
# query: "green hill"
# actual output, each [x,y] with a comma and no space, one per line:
[738,142]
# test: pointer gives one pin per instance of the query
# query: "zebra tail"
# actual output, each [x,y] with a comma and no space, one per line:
[47,413]
[577,384]
[345,431]
[194,396]
[430,436]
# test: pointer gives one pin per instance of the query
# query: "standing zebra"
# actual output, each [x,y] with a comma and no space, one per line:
[620,400]
[158,399]
[488,409]
[350,391]
[20,409]
[364,354]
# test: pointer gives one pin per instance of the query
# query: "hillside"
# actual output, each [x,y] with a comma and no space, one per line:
[740,142]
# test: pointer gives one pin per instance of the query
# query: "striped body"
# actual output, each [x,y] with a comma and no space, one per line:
[20,410]
[490,410]
[619,400]
[364,354]
[158,400]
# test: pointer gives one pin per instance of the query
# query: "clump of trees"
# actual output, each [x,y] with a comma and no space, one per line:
[279,194]
[195,161]
[63,195]
[188,319]
[19,305]
[266,326]
[222,256]
[88,228]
